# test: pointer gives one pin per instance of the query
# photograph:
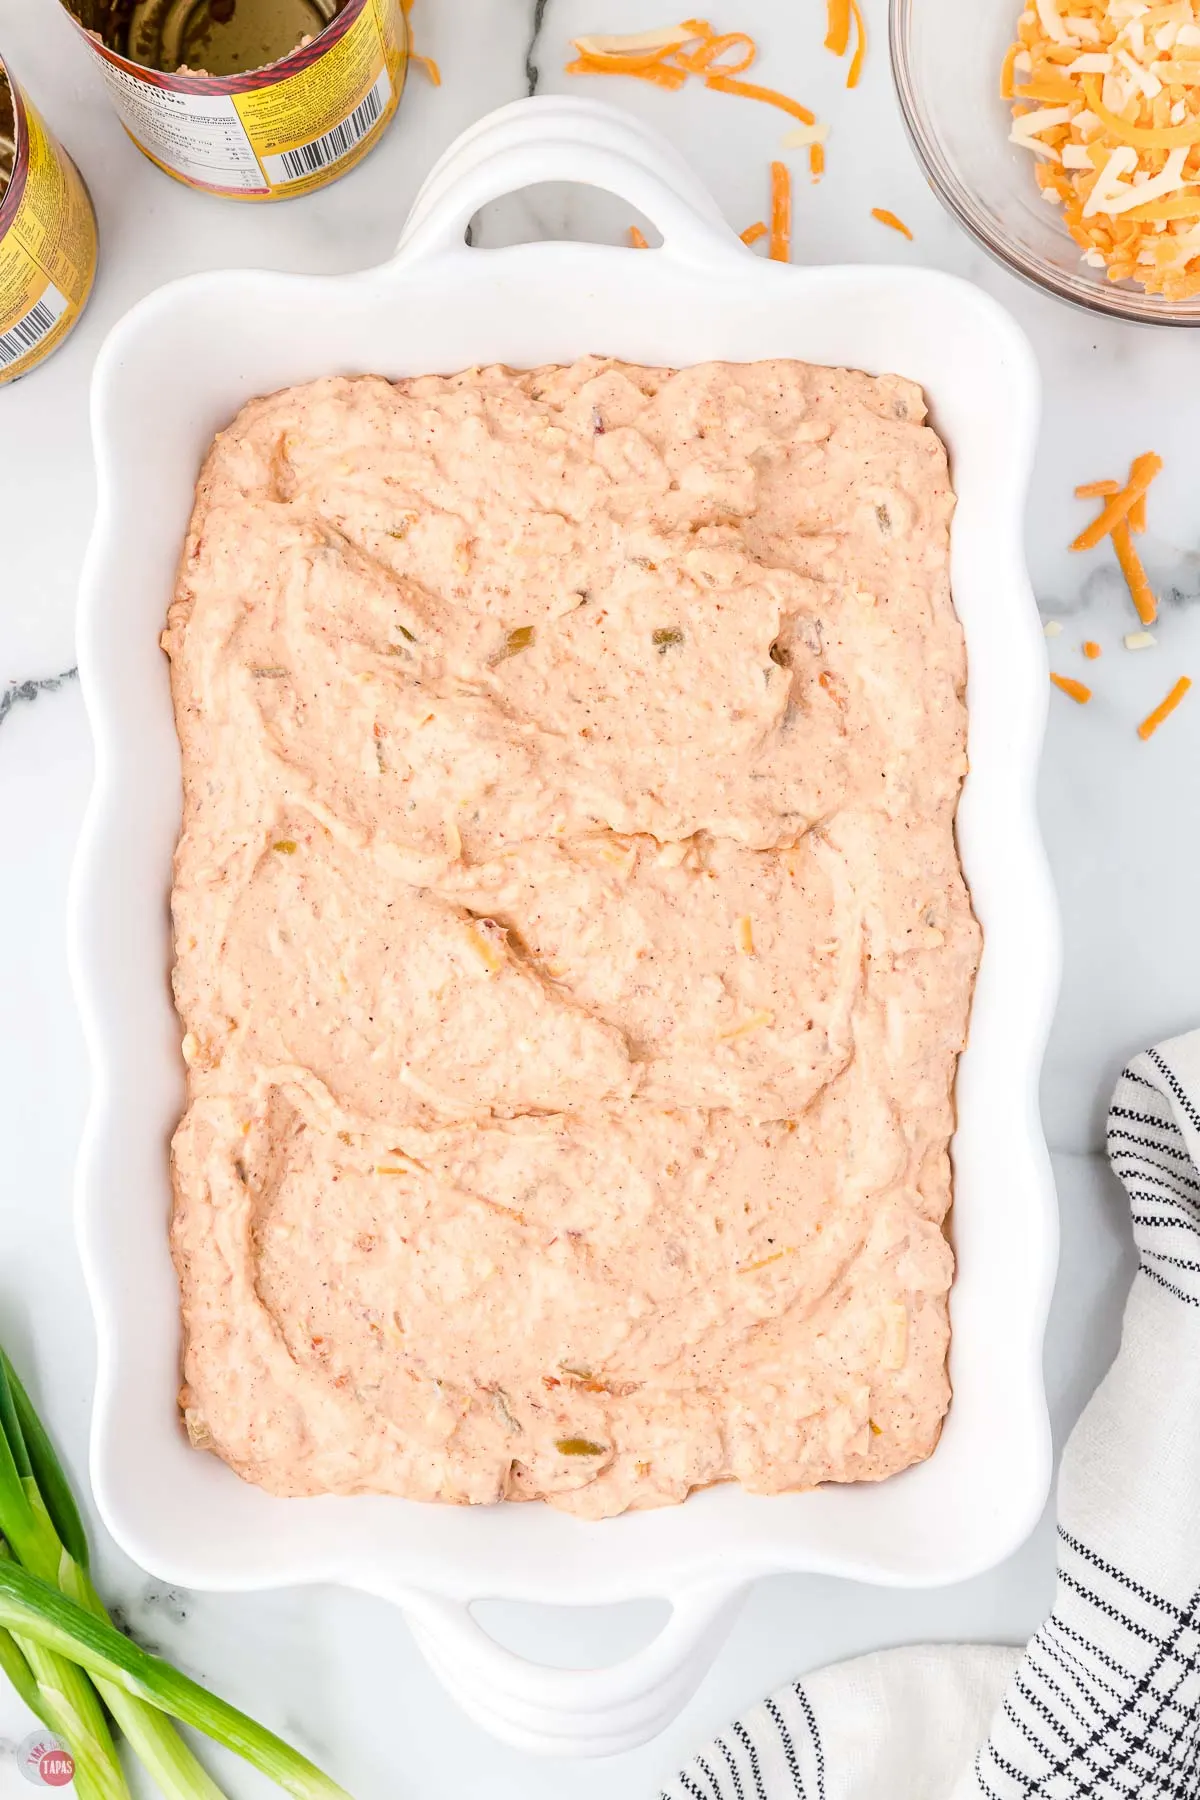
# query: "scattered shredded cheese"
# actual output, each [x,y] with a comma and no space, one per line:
[894,1350]
[860,49]
[637,239]
[804,135]
[1107,99]
[1067,685]
[755,1022]
[781,213]
[1150,725]
[1140,640]
[837,38]
[1144,470]
[746,935]
[1141,593]
[667,57]
[753,232]
[1052,628]
[764,1262]
[486,948]
[427,63]
[889,219]
[1097,490]
[1091,649]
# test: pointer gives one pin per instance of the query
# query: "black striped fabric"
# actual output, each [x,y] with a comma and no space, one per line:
[1104,1703]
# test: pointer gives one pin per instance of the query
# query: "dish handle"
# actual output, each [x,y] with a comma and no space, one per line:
[574,1712]
[566,139]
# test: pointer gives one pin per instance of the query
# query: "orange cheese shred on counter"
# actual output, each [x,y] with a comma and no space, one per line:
[1164,709]
[843,14]
[1141,593]
[1066,684]
[1091,649]
[837,37]
[1097,490]
[781,213]
[414,56]
[637,239]
[668,57]
[1144,471]
[749,90]
[816,161]
[891,221]
[860,49]
[753,232]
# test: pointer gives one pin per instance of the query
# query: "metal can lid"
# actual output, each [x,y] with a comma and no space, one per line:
[222,37]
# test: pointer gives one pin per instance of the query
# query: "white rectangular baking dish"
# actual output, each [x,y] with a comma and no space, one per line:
[172,373]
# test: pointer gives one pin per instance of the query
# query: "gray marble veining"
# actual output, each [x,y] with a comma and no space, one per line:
[17,691]
[532,72]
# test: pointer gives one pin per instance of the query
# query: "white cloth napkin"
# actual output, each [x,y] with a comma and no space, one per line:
[1104,1702]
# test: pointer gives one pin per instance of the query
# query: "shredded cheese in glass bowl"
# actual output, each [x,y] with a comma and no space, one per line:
[1065,135]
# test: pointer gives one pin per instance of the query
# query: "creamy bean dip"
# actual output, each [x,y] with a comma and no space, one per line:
[571,942]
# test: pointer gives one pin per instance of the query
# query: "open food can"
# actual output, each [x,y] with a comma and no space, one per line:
[251,99]
[47,236]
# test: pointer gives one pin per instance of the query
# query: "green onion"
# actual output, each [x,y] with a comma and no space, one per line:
[55,1633]
[515,642]
[34,1609]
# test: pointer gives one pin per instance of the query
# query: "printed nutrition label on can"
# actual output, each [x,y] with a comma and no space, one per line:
[47,246]
[281,130]
[199,136]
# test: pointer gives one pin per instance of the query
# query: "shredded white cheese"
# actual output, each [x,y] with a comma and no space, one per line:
[1114,196]
[1052,22]
[1140,640]
[1142,78]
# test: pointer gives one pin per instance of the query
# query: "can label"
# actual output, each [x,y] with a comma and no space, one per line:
[47,241]
[278,131]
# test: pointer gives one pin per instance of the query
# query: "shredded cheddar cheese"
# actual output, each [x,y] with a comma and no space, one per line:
[755,1022]
[1140,591]
[486,948]
[844,14]
[1163,711]
[860,47]
[1106,97]
[427,63]
[891,221]
[837,38]
[1075,689]
[746,935]
[1097,490]
[753,232]
[781,213]
[669,56]
[637,239]
[1145,469]
[1091,649]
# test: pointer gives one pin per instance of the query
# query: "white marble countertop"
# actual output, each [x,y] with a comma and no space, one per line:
[337,1671]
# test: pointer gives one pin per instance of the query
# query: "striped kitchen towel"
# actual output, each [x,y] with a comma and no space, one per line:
[1104,1702]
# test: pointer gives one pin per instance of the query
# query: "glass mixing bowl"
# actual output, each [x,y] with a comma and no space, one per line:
[946,59]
